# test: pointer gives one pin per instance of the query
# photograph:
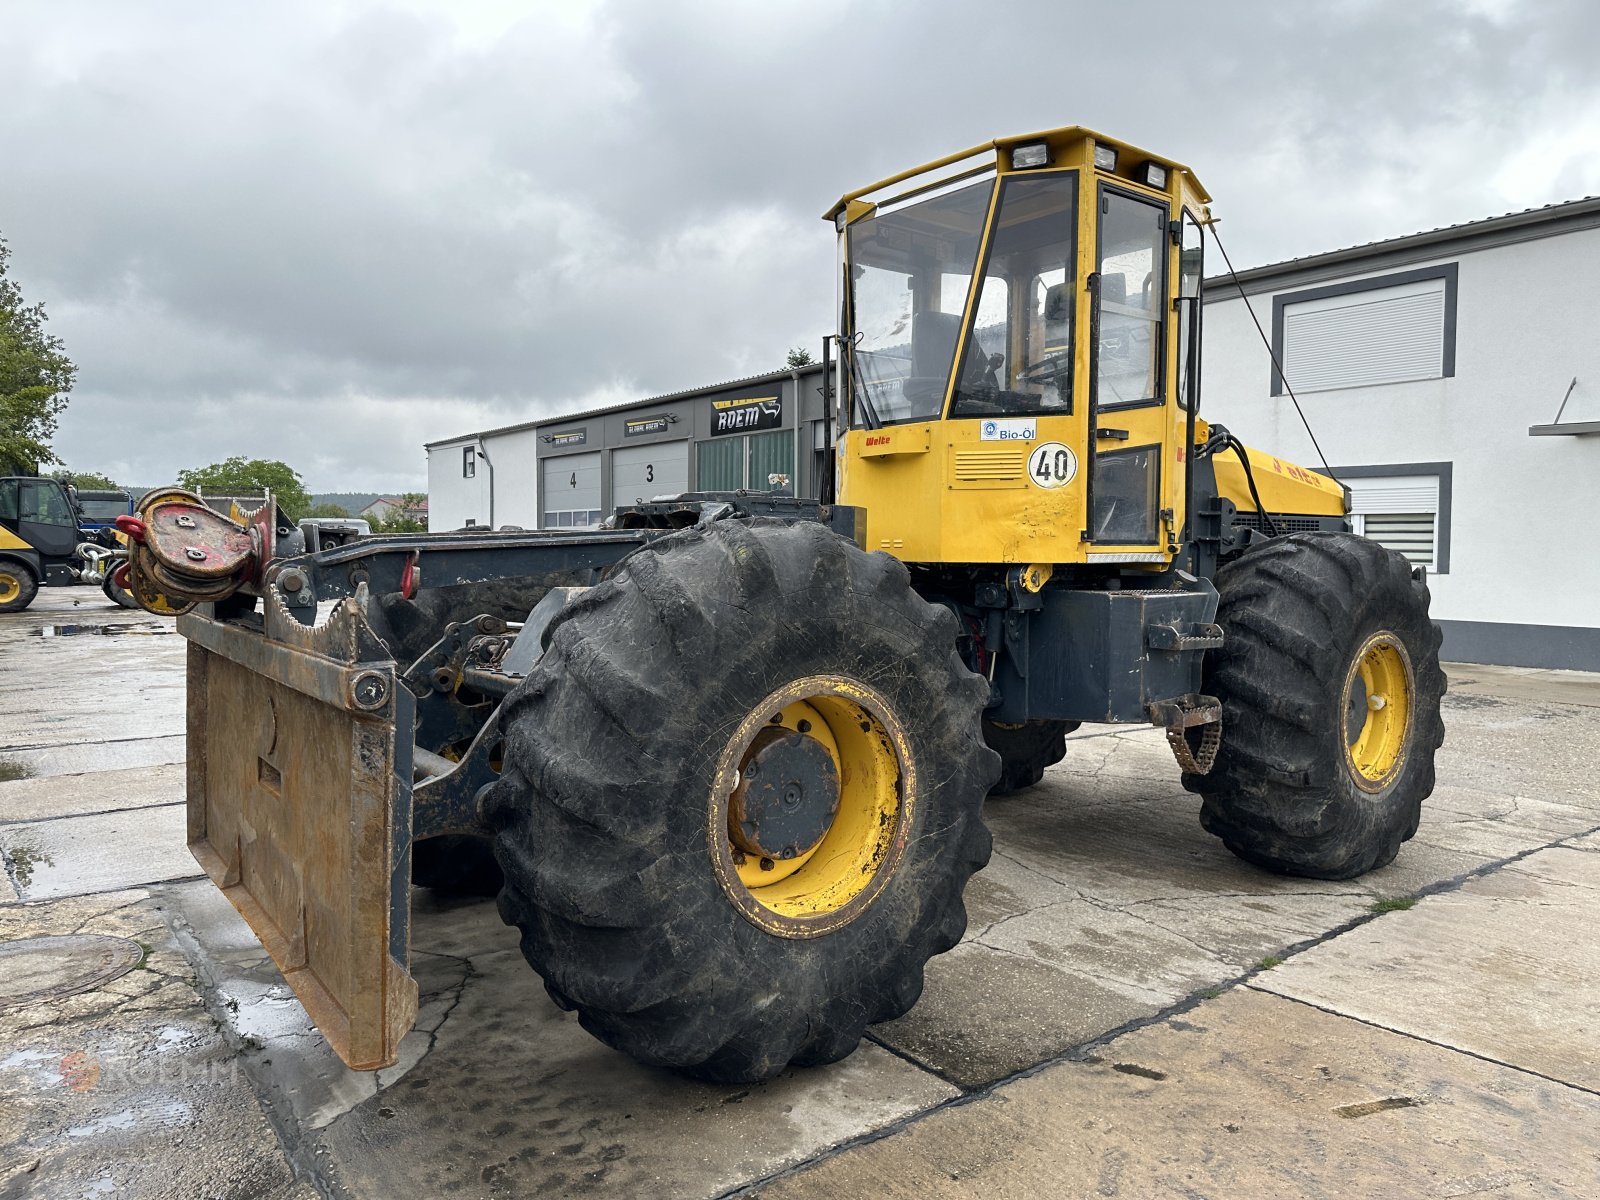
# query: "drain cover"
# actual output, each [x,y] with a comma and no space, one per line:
[47,968]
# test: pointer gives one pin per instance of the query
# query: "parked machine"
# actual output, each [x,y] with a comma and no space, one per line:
[43,542]
[732,751]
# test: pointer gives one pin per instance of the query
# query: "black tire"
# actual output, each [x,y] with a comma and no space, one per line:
[1285,793]
[18,586]
[607,814]
[118,595]
[456,863]
[1025,751]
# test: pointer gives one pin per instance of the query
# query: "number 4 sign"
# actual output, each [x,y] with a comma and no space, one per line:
[1052,465]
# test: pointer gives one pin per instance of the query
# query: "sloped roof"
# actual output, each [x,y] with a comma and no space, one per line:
[561,418]
[1580,213]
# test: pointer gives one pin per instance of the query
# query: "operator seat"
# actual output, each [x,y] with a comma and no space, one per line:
[933,350]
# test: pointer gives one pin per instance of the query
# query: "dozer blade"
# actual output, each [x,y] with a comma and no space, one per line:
[299,791]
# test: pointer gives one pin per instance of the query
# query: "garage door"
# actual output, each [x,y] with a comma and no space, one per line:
[644,472]
[569,491]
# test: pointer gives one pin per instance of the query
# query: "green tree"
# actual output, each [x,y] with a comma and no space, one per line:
[88,479]
[239,476]
[410,517]
[35,377]
[799,356]
[326,510]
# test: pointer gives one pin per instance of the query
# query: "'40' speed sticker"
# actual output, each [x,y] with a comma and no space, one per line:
[1052,465]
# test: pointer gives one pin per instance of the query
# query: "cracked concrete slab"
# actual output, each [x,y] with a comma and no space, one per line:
[86,758]
[129,1088]
[74,856]
[1105,902]
[1520,747]
[516,1099]
[1538,684]
[1247,1095]
[1504,967]
[103,791]
[498,1090]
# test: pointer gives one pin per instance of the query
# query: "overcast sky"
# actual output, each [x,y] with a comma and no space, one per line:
[329,232]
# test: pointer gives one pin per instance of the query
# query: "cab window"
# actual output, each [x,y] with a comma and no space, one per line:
[45,504]
[1133,287]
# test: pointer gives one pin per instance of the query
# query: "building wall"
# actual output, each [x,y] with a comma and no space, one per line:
[452,499]
[642,450]
[1521,586]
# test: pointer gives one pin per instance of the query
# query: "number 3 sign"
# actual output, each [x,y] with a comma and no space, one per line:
[1052,465]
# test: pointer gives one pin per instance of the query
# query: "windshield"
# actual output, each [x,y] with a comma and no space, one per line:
[910,271]
[1018,360]
[98,508]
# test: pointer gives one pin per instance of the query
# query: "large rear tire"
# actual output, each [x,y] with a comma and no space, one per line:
[1025,751]
[630,828]
[1330,685]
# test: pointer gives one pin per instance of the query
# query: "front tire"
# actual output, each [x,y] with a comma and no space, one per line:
[18,587]
[1330,685]
[630,829]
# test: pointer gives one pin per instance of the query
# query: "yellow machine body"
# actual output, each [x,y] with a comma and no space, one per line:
[1015,486]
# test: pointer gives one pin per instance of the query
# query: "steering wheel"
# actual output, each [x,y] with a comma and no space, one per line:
[1050,367]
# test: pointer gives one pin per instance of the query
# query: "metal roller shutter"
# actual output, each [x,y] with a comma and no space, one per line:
[644,472]
[1398,511]
[569,491]
[1386,335]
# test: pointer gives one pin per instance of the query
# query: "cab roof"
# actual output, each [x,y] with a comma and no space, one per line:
[1057,139]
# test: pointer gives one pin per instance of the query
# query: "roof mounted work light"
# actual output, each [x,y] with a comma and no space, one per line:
[1152,174]
[1034,154]
[1105,157]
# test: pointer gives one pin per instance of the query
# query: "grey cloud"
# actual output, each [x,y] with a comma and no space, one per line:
[330,233]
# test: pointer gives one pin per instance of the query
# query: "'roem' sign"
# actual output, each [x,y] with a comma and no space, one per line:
[746,414]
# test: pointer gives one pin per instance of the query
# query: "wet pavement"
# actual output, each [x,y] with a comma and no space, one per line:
[1133,1011]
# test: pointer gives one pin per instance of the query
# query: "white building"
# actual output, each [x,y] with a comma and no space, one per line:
[1432,368]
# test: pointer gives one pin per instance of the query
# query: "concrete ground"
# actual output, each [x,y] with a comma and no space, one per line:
[1132,1013]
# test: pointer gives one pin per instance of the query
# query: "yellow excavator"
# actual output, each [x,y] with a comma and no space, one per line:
[729,754]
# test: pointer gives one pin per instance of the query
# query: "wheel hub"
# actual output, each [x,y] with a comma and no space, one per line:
[787,796]
[1378,690]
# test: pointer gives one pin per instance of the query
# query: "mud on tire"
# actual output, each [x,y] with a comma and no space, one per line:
[1025,751]
[1286,793]
[606,830]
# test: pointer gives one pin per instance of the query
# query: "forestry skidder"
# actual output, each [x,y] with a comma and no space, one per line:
[731,752]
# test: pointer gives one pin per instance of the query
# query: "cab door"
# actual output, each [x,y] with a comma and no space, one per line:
[1130,423]
[46,520]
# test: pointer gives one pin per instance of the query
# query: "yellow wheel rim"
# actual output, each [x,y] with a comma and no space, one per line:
[824,884]
[1378,708]
[10,587]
